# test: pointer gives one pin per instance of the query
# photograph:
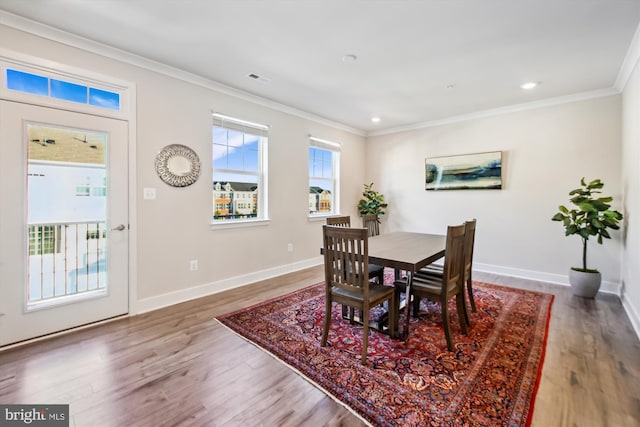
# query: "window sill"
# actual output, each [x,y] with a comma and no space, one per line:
[239,223]
[317,218]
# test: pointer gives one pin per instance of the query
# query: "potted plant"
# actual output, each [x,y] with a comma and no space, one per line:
[372,202]
[592,216]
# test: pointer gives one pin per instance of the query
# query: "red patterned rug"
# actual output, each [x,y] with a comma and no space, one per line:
[489,380]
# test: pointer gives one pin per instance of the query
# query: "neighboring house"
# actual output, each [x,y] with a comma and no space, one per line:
[324,201]
[319,200]
[234,199]
[63,192]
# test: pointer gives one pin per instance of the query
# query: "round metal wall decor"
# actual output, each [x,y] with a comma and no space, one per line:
[178,165]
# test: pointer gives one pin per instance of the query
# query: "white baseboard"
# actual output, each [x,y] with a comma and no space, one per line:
[171,298]
[634,316]
[558,279]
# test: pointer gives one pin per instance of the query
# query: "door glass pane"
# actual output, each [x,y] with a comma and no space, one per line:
[66,213]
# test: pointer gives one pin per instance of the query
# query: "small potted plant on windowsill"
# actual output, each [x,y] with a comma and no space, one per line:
[591,217]
[372,202]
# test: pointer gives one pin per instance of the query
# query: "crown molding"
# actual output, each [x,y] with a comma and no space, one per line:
[60,36]
[45,31]
[630,61]
[501,111]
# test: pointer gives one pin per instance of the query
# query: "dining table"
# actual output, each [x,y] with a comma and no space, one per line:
[409,252]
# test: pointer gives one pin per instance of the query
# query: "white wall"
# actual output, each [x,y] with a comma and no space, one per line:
[175,228]
[545,153]
[631,188]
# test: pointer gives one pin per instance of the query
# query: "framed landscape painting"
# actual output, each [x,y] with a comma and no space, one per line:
[479,171]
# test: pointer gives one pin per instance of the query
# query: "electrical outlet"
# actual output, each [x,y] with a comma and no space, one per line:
[290,247]
[193,265]
[149,193]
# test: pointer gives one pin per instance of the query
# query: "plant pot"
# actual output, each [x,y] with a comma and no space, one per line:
[584,284]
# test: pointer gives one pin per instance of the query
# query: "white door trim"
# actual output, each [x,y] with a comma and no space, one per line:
[127,89]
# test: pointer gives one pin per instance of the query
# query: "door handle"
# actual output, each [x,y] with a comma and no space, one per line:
[117,228]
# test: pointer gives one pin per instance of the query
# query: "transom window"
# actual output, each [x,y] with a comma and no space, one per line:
[36,84]
[239,169]
[324,184]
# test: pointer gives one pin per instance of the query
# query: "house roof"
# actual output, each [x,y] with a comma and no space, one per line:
[238,186]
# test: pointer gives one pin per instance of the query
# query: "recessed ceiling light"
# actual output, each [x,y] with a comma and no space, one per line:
[349,58]
[529,85]
[450,86]
[375,119]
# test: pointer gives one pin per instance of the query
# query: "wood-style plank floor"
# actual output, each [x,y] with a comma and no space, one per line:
[178,366]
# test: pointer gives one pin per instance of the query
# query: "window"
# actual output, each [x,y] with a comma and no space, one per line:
[60,89]
[100,191]
[239,169]
[324,182]
[83,190]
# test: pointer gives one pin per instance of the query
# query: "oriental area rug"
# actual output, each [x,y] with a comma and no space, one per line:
[490,379]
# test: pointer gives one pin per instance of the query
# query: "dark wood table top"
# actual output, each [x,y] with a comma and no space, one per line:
[404,250]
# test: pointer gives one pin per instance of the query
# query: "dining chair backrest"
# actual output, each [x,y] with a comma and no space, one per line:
[370,222]
[346,258]
[453,270]
[469,240]
[339,221]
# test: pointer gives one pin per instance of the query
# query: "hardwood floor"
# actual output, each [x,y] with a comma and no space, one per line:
[178,366]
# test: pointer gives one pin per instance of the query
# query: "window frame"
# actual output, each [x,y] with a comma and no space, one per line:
[261,174]
[335,149]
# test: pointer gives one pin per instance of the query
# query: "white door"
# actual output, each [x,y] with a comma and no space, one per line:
[63,220]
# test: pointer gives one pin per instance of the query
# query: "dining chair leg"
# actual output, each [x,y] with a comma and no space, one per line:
[466,312]
[397,298]
[470,292]
[445,322]
[416,305]
[467,319]
[327,323]
[462,311]
[348,313]
[407,308]
[392,320]
[365,334]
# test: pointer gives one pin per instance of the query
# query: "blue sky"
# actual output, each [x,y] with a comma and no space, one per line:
[61,89]
[239,151]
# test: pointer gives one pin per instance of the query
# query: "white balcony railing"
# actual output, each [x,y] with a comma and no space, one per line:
[66,258]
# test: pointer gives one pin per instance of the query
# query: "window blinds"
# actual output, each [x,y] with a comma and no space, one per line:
[324,144]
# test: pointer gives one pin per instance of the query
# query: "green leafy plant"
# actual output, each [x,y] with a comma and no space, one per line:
[372,202]
[591,217]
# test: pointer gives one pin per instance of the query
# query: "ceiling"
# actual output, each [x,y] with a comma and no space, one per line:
[416,61]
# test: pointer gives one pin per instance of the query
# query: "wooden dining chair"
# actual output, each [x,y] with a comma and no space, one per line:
[339,221]
[371,223]
[441,289]
[469,242]
[346,257]
[375,271]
